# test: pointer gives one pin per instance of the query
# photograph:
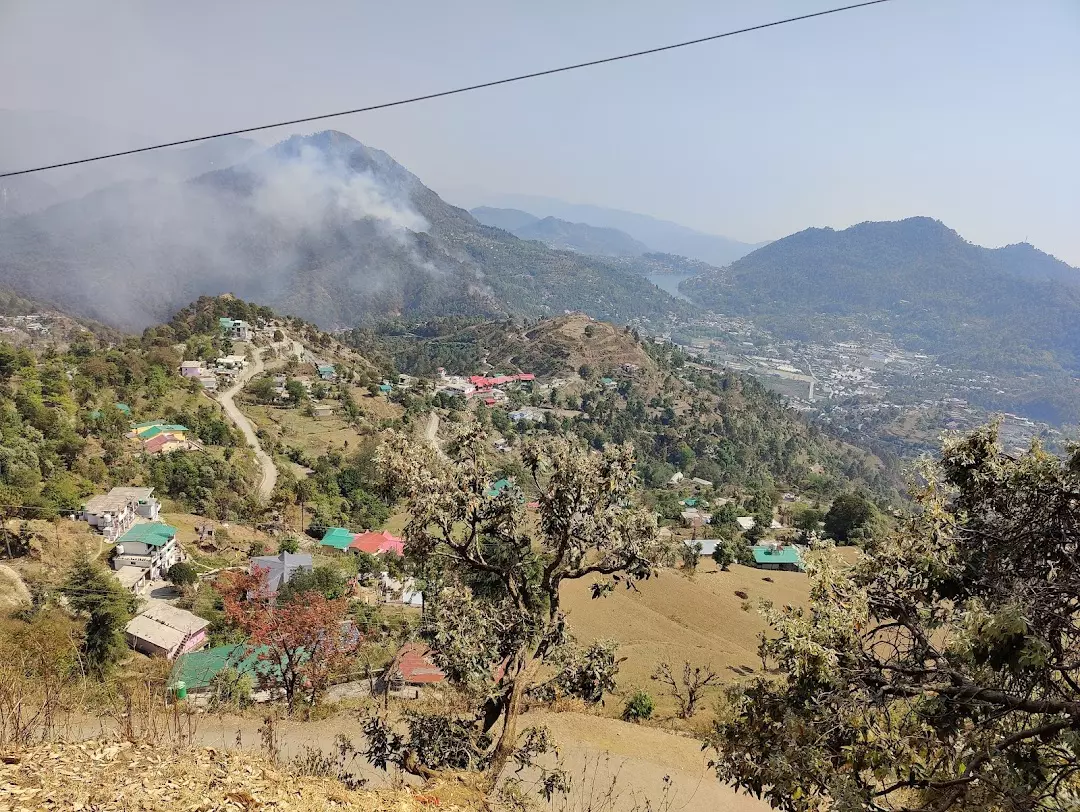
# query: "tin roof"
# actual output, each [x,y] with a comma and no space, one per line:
[154,534]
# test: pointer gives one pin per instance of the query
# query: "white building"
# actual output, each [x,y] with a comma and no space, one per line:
[151,547]
[745,522]
[112,514]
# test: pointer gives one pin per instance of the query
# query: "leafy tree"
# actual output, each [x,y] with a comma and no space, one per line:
[296,391]
[943,671]
[499,621]
[289,544]
[302,643]
[690,555]
[808,519]
[96,595]
[724,554]
[182,575]
[849,511]
[323,580]
[687,687]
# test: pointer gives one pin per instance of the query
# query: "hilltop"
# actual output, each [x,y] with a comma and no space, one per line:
[321,226]
[1013,309]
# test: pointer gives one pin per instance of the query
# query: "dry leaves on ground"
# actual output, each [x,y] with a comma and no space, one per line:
[106,776]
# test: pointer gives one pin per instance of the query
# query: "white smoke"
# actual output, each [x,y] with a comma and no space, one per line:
[304,193]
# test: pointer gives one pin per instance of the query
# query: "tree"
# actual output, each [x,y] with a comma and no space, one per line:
[690,555]
[303,644]
[323,580]
[499,621]
[688,687]
[296,391]
[943,671]
[638,707]
[848,512]
[808,519]
[289,544]
[182,575]
[724,554]
[96,595]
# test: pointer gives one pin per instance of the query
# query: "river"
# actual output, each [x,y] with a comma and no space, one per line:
[669,283]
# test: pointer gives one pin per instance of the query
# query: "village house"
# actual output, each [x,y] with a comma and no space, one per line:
[209,382]
[167,631]
[676,478]
[231,362]
[280,568]
[378,542]
[413,668]
[191,369]
[400,592]
[776,556]
[236,329]
[527,415]
[327,372]
[151,547]
[112,514]
[322,410]
[745,522]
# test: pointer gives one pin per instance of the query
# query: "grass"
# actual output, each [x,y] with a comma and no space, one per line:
[676,618]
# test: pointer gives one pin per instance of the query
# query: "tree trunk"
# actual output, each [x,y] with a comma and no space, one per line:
[508,737]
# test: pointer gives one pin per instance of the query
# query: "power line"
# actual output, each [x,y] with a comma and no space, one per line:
[442,93]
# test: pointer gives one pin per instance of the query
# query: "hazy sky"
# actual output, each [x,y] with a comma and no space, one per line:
[964,110]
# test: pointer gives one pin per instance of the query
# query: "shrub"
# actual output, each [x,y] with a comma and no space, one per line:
[639,707]
[182,575]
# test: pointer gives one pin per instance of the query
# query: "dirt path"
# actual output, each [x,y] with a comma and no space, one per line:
[269,469]
[431,433]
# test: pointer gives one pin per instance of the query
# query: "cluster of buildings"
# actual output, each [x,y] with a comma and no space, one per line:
[224,369]
[491,388]
[372,542]
[159,437]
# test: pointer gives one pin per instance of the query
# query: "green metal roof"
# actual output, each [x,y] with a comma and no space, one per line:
[497,487]
[771,555]
[124,408]
[175,427]
[337,537]
[147,424]
[225,322]
[96,414]
[151,432]
[385,387]
[155,534]
[197,668]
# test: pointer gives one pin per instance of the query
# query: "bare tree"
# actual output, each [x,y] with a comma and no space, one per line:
[688,689]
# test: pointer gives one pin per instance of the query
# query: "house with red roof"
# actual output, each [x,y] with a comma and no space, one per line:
[377,543]
[415,666]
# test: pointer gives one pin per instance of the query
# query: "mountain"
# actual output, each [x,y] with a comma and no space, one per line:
[30,138]
[915,280]
[320,226]
[659,235]
[506,219]
[562,235]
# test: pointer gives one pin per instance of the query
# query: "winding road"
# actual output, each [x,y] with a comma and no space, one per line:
[266,463]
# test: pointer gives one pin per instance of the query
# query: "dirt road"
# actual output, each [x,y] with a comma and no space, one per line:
[431,432]
[269,469]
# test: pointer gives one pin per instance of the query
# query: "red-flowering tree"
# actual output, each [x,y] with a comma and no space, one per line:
[303,643]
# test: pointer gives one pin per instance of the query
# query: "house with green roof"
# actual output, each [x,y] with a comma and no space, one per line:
[774,556]
[149,546]
[124,408]
[337,537]
[497,488]
[197,669]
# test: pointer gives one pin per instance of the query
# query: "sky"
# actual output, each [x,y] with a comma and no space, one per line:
[963,110]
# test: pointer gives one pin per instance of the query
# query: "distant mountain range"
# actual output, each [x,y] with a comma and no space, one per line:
[1013,309]
[660,235]
[320,226]
[561,234]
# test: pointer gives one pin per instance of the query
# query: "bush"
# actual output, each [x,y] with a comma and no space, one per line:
[231,689]
[639,707]
[289,544]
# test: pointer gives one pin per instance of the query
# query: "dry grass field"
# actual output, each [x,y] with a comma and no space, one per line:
[678,618]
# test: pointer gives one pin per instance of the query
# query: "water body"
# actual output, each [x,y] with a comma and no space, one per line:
[669,283]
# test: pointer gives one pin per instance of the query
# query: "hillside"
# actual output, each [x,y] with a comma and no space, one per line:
[320,226]
[561,234]
[660,235]
[708,423]
[918,282]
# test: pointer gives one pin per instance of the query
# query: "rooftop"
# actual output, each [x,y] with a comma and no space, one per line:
[337,537]
[116,500]
[174,618]
[375,542]
[197,668]
[416,666]
[154,534]
[162,636]
[771,554]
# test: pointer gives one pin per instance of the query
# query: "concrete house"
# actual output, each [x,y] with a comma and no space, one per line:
[114,513]
[191,369]
[150,547]
[280,568]
[322,410]
[166,631]
[774,556]
[745,522]
[236,329]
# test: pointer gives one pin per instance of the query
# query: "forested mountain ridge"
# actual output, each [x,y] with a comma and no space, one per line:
[917,281]
[321,226]
[562,234]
